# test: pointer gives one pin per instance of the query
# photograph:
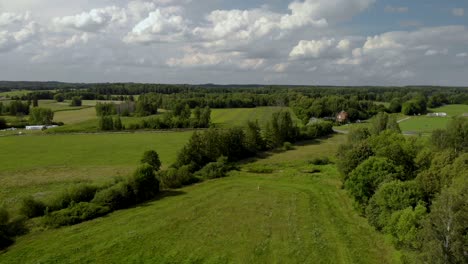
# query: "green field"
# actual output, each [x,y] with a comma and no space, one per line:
[239,116]
[287,216]
[41,165]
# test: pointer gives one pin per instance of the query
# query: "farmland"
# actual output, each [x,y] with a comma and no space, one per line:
[42,165]
[239,116]
[288,215]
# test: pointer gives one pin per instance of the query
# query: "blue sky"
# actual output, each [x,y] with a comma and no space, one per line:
[311,42]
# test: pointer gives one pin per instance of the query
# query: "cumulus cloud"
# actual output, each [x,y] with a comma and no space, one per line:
[314,49]
[458,12]
[195,58]
[9,18]
[94,20]
[396,9]
[12,40]
[159,26]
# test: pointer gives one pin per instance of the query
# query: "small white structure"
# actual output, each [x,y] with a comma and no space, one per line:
[442,114]
[35,127]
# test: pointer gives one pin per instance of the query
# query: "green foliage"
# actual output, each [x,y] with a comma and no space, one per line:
[105,109]
[10,228]
[455,136]
[3,123]
[395,106]
[116,197]
[144,183]
[405,227]
[76,101]
[118,123]
[445,233]
[317,130]
[391,197]
[75,194]
[215,170]
[106,123]
[41,116]
[382,122]
[415,106]
[59,97]
[151,158]
[368,176]
[148,104]
[282,129]
[75,214]
[254,141]
[32,208]
[176,177]
[357,134]
[351,155]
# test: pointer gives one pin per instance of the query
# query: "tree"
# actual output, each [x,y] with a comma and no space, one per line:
[395,106]
[3,123]
[351,155]
[379,123]
[144,183]
[106,123]
[151,158]
[41,116]
[405,226]
[76,101]
[253,138]
[368,176]
[445,233]
[59,97]
[118,123]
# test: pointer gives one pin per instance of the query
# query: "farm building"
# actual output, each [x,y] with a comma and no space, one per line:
[438,114]
[342,117]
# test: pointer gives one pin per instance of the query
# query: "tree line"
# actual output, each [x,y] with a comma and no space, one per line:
[413,190]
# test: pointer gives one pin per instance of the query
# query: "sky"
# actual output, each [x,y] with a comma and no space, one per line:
[302,42]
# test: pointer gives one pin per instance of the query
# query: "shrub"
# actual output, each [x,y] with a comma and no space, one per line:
[75,194]
[10,228]
[32,208]
[214,170]
[115,197]
[288,146]
[76,101]
[3,123]
[75,214]
[176,178]
[320,161]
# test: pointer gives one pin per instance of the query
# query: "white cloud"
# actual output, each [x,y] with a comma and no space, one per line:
[12,40]
[432,52]
[462,55]
[9,18]
[159,26]
[396,9]
[458,12]
[93,21]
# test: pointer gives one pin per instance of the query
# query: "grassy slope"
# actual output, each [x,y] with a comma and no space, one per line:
[288,216]
[41,165]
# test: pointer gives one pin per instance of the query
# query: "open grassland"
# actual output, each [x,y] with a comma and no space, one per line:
[286,216]
[14,93]
[75,116]
[42,165]
[239,116]
[451,110]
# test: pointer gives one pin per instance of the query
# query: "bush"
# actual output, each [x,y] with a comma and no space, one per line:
[32,208]
[320,161]
[288,146]
[176,178]
[10,228]
[214,170]
[75,194]
[3,123]
[144,183]
[115,197]
[76,101]
[75,214]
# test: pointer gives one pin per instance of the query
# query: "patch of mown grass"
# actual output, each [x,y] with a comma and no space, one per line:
[287,216]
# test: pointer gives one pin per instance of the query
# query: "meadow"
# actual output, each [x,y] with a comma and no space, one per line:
[287,216]
[41,165]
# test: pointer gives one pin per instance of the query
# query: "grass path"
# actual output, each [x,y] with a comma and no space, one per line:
[287,216]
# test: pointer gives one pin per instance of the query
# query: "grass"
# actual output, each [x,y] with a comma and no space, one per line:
[287,216]
[41,165]
[75,116]
[240,116]
[451,110]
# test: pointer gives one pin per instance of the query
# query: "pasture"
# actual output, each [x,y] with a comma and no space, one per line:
[43,164]
[239,116]
[286,216]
